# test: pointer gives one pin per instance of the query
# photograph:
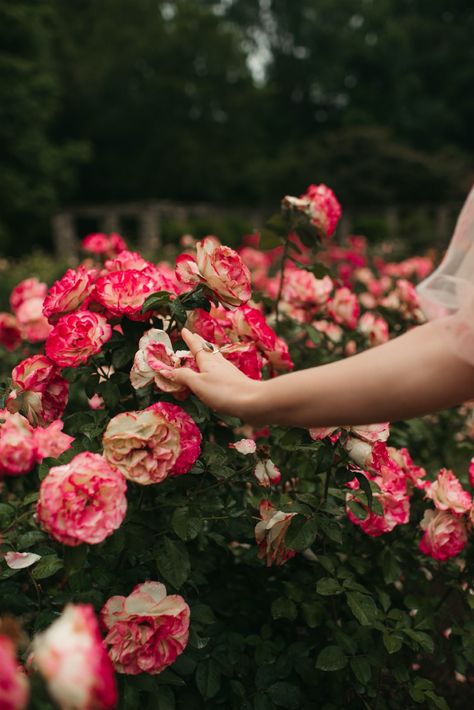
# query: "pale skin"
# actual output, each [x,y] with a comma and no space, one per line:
[412,375]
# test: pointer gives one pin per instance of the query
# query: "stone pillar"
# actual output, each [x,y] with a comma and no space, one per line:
[149,237]
[110,222]
[64,237]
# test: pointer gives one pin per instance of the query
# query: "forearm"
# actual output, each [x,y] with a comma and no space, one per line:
[412,375]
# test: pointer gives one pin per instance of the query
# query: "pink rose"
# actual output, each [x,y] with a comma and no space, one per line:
[344,307]
[301,288]
[68,293]
[210,326]
[39,391]
[71,657]
[82,501]
[149,445]
[21,446]
[220,268]
[127,260]
[247,359]
[471,472]
[108,245]
[280,358]
[324,208]
[156,356]
[447,493]
[270,534]
[25,291]
[10,334]
[33,325]
[258,263]
[375,328]
[123,293]
[17,445]
[249,323]
[445,535]
[147,630]
[393,498]
[77,336]
[14,685]
[266,473]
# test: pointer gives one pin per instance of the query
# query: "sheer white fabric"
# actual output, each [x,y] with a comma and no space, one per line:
[447,295]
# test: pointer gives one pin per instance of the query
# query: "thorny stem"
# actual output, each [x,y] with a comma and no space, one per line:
[282,278]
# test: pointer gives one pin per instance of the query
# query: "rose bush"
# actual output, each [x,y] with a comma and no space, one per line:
[323,568]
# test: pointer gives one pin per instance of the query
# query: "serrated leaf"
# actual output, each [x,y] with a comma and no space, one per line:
[301,533]
[361,668]
[208,678]
[283,608]
[331,658]
[186,525]
[47,566]
[328,586]
[363,607]
[172,560]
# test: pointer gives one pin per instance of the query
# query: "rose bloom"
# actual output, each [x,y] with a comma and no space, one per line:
[108,245]
[25,291]
[320,204]
[51,441]
[374,327]
[249,323]
[301,287]
[68,293]
[220,268]
[258,263]
[447,493]
[33,325]
[77,336]
[445,535]
[10,334]
[270,534]
[39,391]
[14,685]
[393,497]
[149,445]
[247,359]
[156,356]
[147,630]
[344,307]
[82,501]
[71,657]
[266,473]
[123,293]
[244,446]
[471,472]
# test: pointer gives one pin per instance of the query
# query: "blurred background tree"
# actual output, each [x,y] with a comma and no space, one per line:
[232,101]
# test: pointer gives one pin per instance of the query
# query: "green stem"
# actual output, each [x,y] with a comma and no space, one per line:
[282,278]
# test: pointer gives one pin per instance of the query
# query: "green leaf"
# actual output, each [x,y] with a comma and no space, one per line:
[390,567]
[164,699]
[203,614]
[208,678]
[361,669]
[357,509]
[172,560]
[283,608]
[47,566]
[285,695]
[186,525]
[123,356]
[178,311]
[75,558]
[331,658]
[301,533]
[363,607]
[422,639]
[156,301]
[7,515]
[391,642]
[328,586]
[331,529]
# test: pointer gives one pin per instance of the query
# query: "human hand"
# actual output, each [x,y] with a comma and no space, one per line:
[219,384]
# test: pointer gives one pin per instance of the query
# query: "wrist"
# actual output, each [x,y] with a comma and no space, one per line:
[252,404]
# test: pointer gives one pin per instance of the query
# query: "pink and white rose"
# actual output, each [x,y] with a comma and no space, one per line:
[71,657]
[39,390]
[156,358]
[220,268]
[82,501]
[147,630]
[123,293]
[70,292]
[14,685]
[27,290]
[374,327]
[33,324]
[344,307]
[266,473]
[244,446]
[270,534]
[76,337]
[447,493]
[445,534]
[149,445]
[108,245]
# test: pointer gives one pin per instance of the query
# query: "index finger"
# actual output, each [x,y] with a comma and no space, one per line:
[197,345]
